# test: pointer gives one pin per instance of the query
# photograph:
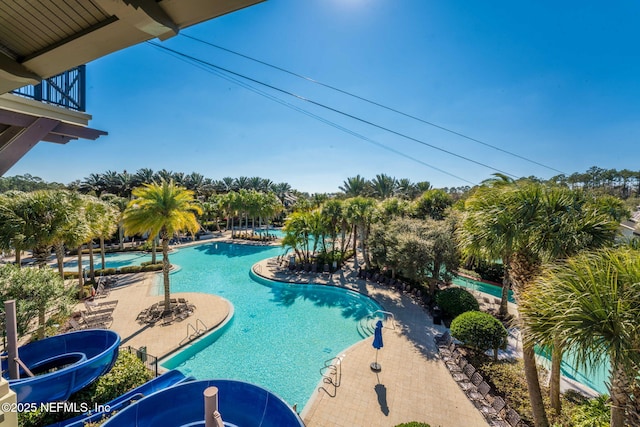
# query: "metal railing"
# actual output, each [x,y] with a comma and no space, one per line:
[331,375]
[386,314]
[66,90]
[150,361]
[198,329]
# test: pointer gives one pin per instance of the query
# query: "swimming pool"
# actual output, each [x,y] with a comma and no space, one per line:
[112,260]
[486,288]
[280,335]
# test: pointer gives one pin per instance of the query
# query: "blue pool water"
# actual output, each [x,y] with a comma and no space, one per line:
[280,335]
[486,288]
[112,260]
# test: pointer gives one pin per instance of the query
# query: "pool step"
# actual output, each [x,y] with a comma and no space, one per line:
[366,326]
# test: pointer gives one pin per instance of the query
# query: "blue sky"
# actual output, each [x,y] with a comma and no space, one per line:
[556,82]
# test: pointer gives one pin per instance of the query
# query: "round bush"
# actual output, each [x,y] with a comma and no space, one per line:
[480,331]
[455,301]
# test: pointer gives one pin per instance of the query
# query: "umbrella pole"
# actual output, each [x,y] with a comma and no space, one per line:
[375,366]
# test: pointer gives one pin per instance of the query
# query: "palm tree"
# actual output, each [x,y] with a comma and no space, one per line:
[162,209]
[229,183]
[384,186]
[106,225]
[94,183]
[354,186]
[405,189]
[282,190]
[360,212]
[592,304]
[241,183]
[526,224]
[142,176]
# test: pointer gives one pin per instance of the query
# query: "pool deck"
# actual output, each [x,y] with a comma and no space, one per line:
[136,292]
[413,384]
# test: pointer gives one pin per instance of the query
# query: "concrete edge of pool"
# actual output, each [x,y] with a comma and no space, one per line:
[196,344]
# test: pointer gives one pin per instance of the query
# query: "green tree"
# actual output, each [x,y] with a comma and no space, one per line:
[360,211]
[526,224]
[591,303]
[162,209]
[355,186]
[424,251]
[36,291]
[432,204]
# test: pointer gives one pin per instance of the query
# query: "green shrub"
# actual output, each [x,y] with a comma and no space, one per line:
[151,267]
[130,269]
[455,301]
[592,413]
[127,373]
[413,424]
[480,331]
[105,272]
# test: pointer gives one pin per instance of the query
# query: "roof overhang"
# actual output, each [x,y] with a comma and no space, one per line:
[24,123]
[51,36]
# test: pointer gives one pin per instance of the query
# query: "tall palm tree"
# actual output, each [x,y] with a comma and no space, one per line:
[526,224]
[360,211]
[282,190]
[162,209]
[592,304]
[229,183]
[384,186]
[94,183]
[405,189]
[241,183]
[106,225]
[354,186]
[142,176]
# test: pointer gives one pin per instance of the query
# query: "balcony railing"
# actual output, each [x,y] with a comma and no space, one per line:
[66,90]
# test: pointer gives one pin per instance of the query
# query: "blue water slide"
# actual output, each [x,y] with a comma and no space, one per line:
[239,403]
[63,364]
[168,379]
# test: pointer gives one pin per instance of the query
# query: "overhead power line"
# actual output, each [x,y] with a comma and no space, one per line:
[306,112]
[377,104]
[318,104]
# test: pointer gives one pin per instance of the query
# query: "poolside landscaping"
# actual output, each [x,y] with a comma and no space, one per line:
[257,306]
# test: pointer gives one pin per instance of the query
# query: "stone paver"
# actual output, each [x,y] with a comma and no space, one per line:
[136,292]
[413,385]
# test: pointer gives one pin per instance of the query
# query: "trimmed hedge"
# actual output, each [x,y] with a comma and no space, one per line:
[455,301]
[480,331]
[110,271]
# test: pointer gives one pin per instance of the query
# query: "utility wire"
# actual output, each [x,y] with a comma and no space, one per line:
[331,109]
[377,104]
[306,112]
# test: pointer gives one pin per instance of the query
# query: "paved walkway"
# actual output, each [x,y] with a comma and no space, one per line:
[413,385]
[136,292]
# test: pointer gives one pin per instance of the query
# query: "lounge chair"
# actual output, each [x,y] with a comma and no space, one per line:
[75,326]
[96,321]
